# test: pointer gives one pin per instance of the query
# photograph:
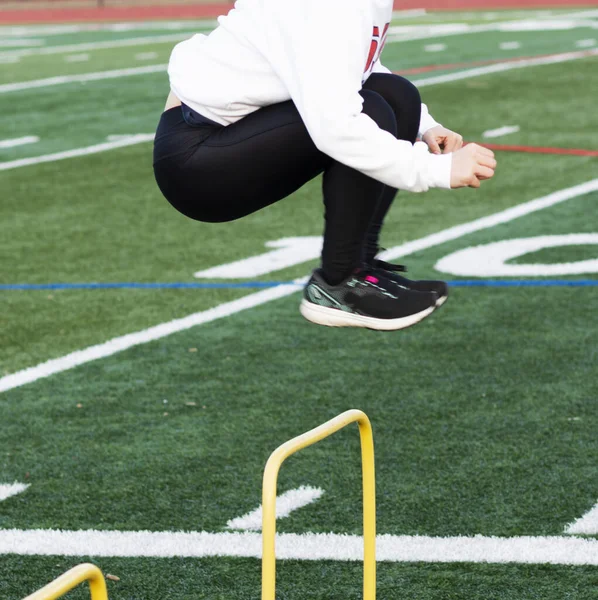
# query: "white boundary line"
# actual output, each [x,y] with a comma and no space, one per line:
[35,160]
[469,73]
[119,344]
[97,76]
[506,66]
[138,41]
[124,342]
[410,33]
[123,26]
[308,546]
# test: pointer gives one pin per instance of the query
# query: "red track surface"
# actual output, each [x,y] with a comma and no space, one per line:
[142,13]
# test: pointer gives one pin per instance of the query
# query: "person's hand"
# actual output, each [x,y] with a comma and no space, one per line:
[442,140]
[471,165]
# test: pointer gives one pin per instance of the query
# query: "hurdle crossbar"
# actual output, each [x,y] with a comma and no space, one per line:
[71,579]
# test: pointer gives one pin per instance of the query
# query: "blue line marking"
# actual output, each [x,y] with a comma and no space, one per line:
[523,283]
[270,284]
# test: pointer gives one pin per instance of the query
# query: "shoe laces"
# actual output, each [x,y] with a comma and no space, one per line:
[386,266]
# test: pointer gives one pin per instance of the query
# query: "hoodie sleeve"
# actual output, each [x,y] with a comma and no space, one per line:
[427,121]
[321,52]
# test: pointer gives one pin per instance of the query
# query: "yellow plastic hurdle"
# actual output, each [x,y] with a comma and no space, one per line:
[88,572]
[369,498]
[71,579]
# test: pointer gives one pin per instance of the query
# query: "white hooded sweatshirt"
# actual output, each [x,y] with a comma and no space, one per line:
[317,53]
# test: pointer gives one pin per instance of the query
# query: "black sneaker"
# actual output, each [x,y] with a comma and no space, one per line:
[365,299]
[390,272]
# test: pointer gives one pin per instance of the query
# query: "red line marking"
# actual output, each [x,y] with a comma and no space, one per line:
[540,149]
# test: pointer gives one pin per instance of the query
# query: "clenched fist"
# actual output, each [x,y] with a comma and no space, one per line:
[471,165]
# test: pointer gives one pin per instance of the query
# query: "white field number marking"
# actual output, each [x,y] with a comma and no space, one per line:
[11,489]
[285,504]
[490,260]
[586,525]
[287,252]
[589,43]
[501,131]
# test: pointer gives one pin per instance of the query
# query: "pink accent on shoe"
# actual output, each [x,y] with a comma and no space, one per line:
[371,279]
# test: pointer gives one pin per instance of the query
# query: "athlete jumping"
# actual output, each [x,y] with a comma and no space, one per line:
[284,90]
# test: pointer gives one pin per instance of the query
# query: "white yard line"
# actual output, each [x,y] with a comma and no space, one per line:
[11,489]
[36,160]
[119,344]
[70,48]
[506,66]
[467,74]
[285,504]
[408,33]
[308,546]
[47,30]
[586,525]
[157,332]
[97,76]
[28,139]
[577,14]
[15,42]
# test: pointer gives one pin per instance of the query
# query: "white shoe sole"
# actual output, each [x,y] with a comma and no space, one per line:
[333,317]
[441,301]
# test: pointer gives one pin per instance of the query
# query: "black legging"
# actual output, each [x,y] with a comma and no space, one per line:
[215,174]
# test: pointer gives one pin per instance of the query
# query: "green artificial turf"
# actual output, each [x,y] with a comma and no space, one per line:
[218,579]
[484,415]
[464,445]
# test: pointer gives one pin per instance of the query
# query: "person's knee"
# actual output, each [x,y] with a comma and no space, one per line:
[404,99]
[379,110]
[394,89]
